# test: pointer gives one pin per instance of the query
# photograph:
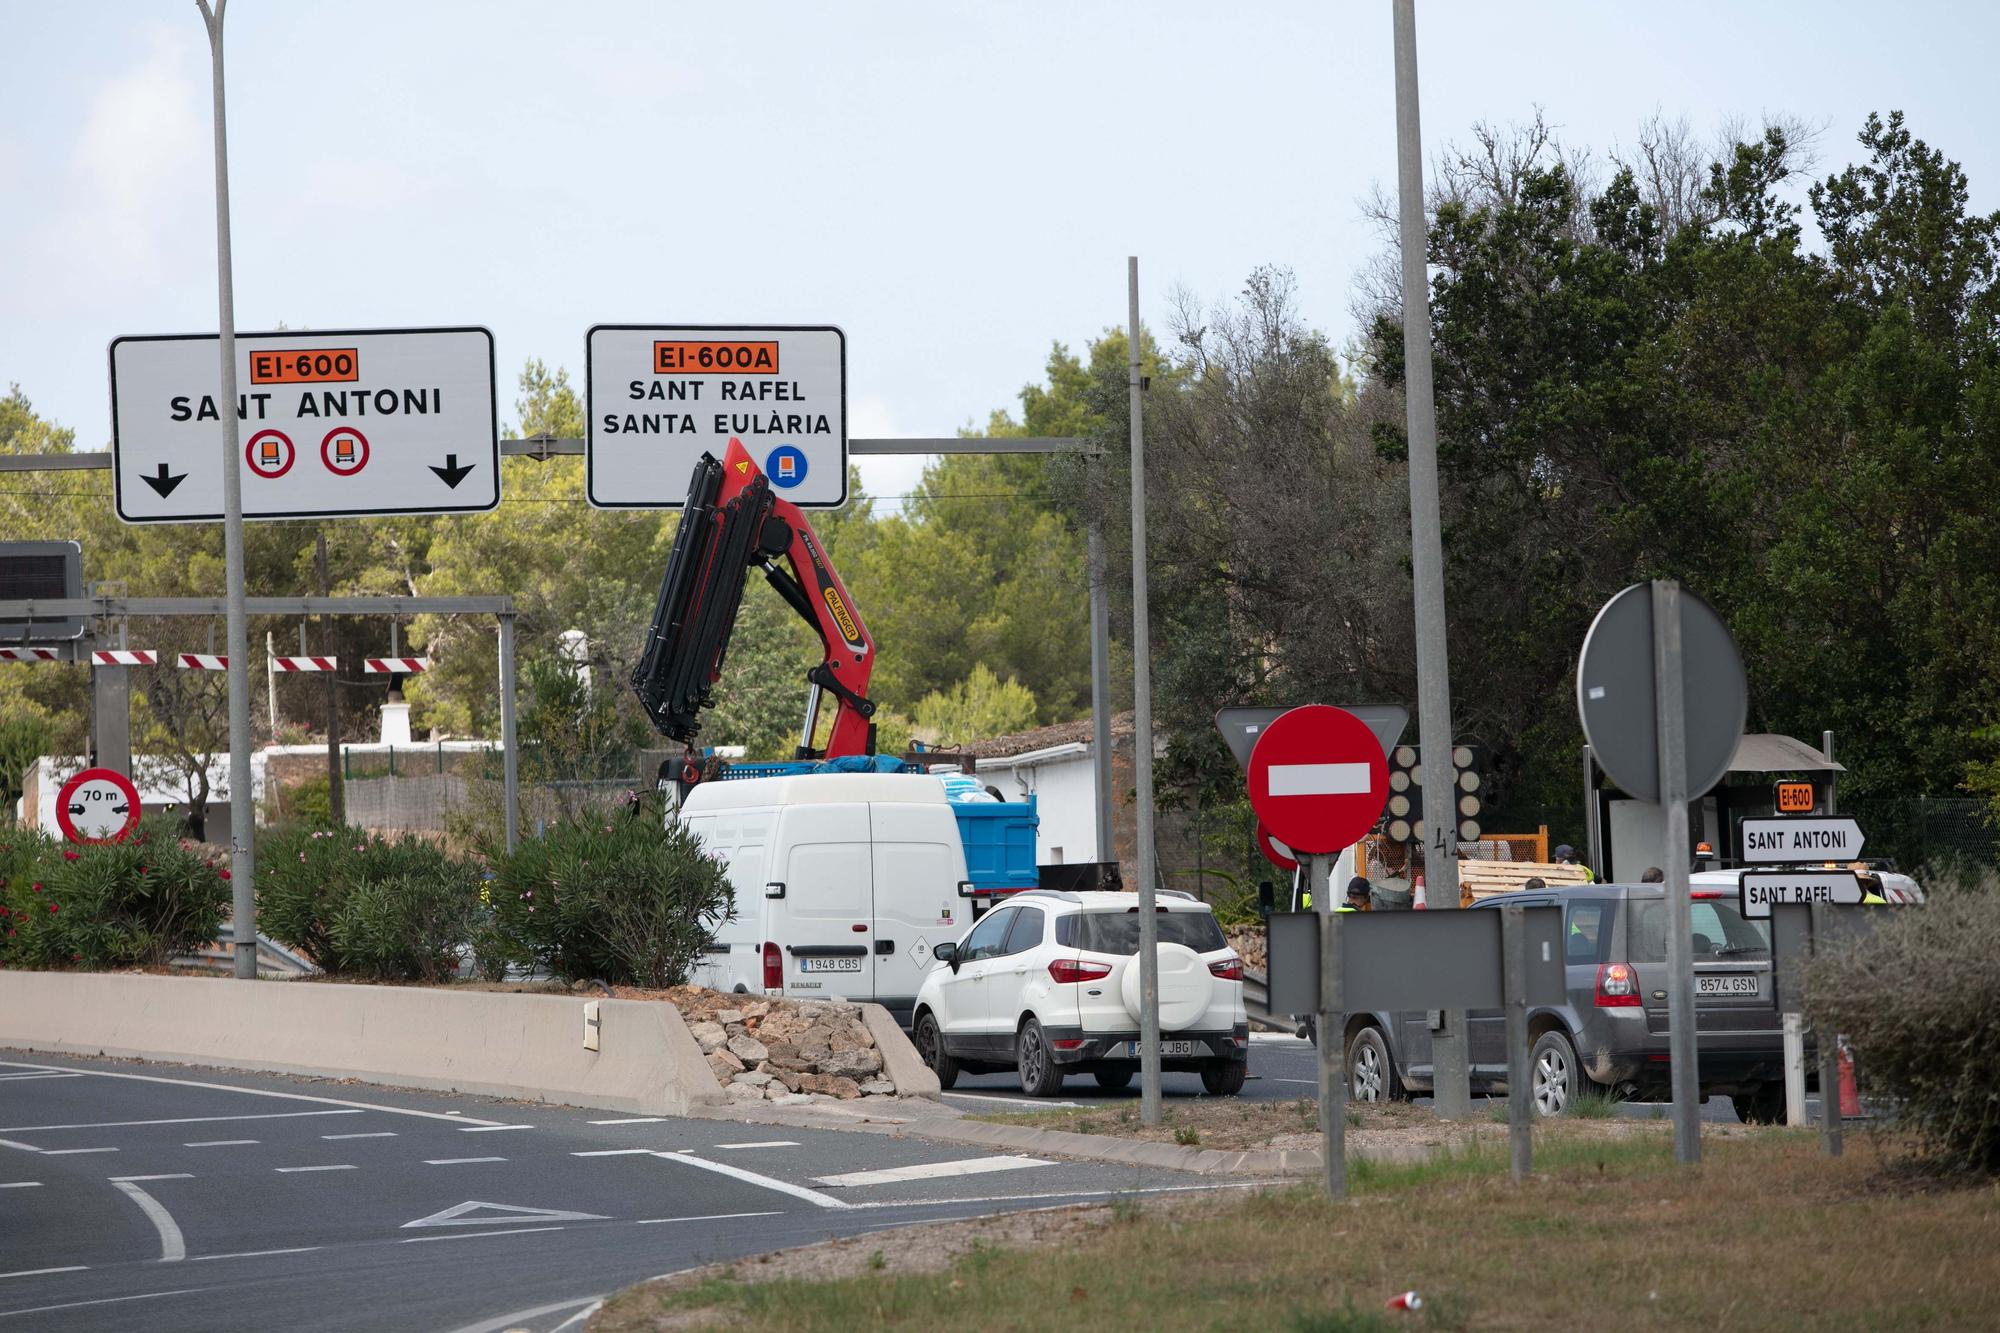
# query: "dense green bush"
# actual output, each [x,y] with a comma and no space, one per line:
[612,894]
[362,905]
[1919,1004]
[135,903]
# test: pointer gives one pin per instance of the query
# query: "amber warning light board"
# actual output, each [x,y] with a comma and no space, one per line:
[661,395]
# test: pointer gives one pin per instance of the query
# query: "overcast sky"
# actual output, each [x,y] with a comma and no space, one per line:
[956,185]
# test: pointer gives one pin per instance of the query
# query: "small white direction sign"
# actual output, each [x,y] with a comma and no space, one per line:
[660,396]
[348,422]
[1761,890]
[1803,839]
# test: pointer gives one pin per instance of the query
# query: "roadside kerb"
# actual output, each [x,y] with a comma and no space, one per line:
[1133,1152]
[493,1043]
[900,1061]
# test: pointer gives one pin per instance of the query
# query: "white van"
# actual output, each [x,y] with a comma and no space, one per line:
[844,882]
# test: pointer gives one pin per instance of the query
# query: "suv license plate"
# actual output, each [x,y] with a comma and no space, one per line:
[829,964]
[1725,986]
[1129,1050]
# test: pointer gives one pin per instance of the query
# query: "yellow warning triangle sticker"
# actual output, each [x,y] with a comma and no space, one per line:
[743,466]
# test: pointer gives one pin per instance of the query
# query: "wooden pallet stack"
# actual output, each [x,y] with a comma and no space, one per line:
[1485,879]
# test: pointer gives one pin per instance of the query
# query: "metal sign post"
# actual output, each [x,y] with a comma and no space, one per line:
[1142,726]
[1514,982]
[1662,696]
[1332,1019]
[242,836]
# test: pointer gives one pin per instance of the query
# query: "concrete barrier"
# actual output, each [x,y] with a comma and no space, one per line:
[900,1061]
[496,1043]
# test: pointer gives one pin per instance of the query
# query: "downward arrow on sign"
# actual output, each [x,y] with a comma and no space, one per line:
[164,482]
[451,473]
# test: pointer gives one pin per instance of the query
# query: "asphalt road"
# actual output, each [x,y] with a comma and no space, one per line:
[1281,1069]
[147,1196]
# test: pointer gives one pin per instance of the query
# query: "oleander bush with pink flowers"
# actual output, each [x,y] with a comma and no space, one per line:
[136,903]
[361,905]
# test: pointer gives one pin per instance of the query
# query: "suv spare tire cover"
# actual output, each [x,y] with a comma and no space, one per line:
[1185,987]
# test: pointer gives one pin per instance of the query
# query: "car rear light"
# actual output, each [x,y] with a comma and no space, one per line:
[774,967]
[1229,969]
[1068,971]
[1617,986]
[1066,1043]
[1704,893]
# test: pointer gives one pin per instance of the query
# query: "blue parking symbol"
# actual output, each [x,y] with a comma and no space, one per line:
[786,467]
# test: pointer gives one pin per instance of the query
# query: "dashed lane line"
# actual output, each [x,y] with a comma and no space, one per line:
[378,1134]
[753,1178]
[615,1152]
[183,1175]
[290,1170]
[459,1161]
[253,1254]
[173,1246]
[766,1143]
[222,1143]
[632,1120]
[24,1147]
[72,1152]
[43,1272]
[183,1120]
[971,1166]
[20,1184]
[255,1092]
[491,1129]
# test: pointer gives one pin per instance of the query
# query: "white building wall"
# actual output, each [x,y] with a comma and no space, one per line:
[1062,782]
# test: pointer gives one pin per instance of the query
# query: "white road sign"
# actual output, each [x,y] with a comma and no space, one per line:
[1804,839]
[1761,890]
[660,396]
[384,421]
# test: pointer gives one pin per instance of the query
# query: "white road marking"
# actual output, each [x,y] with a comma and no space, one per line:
[518,1318]
[221,1143]
[1318,779]
[767,1182]
[971,1166]
[24,1147]
[22,1078]
[768,1143]
[288,1170]
[103,1300]
[181,1176]
[254,1092]
[1037,1102]
[460,1215]
[491,1129]
[173,1247]
[378,1134]
[459,1161]
[186,1120]
[1311,1081]
[1061,1194]
[71,1152]
[475,1235]
[615,1152]
[253,1254]
[707,1217]
[20,1185]
[635,1120]
[37,1272]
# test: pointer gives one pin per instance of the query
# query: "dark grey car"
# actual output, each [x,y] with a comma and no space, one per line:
[1610,1034]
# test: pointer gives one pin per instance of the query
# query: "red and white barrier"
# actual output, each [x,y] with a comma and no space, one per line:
[305,663]
[400,666]
[125,657]
[204,662]
[28,655]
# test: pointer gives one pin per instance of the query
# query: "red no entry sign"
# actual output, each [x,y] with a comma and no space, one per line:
[1274,851]
[97,805]
[1318,780]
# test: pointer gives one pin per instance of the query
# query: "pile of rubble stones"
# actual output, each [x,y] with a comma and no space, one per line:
[783,1051]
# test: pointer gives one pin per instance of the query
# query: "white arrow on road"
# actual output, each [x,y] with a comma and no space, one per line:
[458,1215]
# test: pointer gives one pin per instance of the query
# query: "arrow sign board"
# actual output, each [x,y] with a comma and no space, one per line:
[1240,727]
[1768,840]
[1761,890]
[352,422]
[660,396]
[1317,779]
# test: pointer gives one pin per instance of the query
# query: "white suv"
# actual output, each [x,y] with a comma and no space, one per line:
[1048,983]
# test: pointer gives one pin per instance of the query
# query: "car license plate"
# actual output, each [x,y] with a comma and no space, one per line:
[1129,1050]
[1725,986]
[829,964]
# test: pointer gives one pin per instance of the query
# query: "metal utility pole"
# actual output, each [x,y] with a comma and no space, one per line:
[336,792]
[1142,728]
[1454,1089]
[242,813]
[1331,1018]
[1100,690]
[1670,707]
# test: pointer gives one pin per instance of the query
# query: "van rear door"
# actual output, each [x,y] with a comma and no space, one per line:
[824,924]
[918,866]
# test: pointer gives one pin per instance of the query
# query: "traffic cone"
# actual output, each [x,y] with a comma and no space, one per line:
[1409,1300]
[1417,892]
[1850,1098]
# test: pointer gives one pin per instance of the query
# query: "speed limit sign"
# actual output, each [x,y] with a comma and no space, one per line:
[97,805]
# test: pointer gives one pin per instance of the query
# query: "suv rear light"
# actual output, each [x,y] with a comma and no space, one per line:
[1229,969]
[1617,986]
[1068,971]
[774,967]
[1704,893]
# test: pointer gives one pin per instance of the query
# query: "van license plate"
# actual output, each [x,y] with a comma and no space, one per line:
[829,964]
[1129,1050]
[1725,986]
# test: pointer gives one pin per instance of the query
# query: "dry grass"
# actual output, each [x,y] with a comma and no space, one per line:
[1766,1233]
